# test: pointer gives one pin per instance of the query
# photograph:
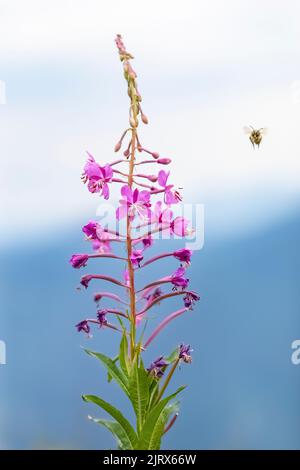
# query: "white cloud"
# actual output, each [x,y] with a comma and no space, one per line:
[170,31]
[206,69]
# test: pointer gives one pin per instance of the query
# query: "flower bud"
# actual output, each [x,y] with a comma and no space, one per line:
[79,260]
[118,146]
[126,153]
[97,297]
[144,118]
[83,326]
[164,161]
[152,178]
[183,255]
[155,155]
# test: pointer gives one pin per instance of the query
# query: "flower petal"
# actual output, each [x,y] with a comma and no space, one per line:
[121,212]
[126,193]
[163,178]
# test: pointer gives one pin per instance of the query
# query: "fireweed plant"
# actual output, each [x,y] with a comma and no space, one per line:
[146,207]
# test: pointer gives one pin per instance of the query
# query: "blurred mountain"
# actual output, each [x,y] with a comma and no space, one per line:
[243,389]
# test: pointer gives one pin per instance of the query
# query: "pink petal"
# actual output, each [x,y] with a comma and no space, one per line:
[92,170]
[105,191]
[157,209]
[144,212]
[179,272]
[170,198]
[121,212]
[163,178]
[108,172]
[179,226]
[135,197]
[92,185]
[166,216]
[126,193]
[99,231]
[144,196]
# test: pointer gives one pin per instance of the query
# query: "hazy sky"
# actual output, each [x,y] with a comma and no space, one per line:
[205,69]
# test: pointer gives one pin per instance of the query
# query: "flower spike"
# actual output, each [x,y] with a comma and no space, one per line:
[146,197]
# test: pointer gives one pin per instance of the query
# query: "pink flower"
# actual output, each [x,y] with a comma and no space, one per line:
[99,236]
[137,257]
[147,242]
[154,294]
[85,280]
[83,326]
[169,197]
[183,255]
[79,260]
[101,243]
[185,353]
[101,315]
[179,226]
[97,176]
[91,229]
[157,367]
[190,298]
[178,278]
[134,202]
[160,215]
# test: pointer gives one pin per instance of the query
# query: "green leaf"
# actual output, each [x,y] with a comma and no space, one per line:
[117,431]
[117,415]
[173,356]
[139,392]
[161,424]
[112,368]
[153,391]
[152,430]
[109,377]
[121,322]
[124,359]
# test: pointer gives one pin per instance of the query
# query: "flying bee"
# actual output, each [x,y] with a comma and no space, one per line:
[255,135]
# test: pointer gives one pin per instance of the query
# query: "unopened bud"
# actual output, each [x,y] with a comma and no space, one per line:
[144,118]
[126,153]
[155,155]
[152,178]
[164,161]
[97,297]
[118,146]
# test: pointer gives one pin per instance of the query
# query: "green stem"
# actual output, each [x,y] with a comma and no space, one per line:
[167,381]
[129,238]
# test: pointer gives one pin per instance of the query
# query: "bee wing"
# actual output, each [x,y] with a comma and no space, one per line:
[247,130]
[263,130]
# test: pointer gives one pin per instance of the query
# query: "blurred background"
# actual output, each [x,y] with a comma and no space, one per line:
[205,70]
